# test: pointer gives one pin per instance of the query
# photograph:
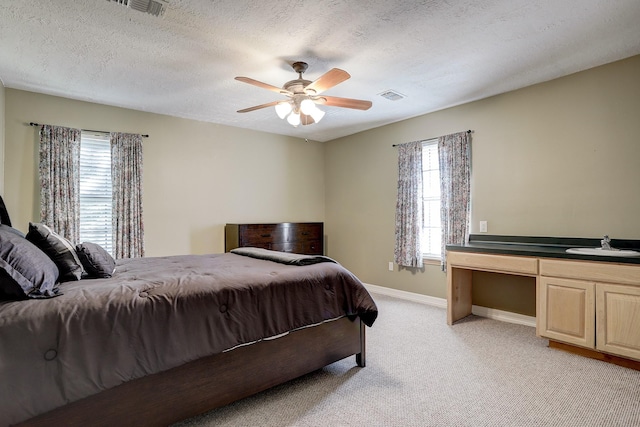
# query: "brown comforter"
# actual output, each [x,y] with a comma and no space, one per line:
[155,314]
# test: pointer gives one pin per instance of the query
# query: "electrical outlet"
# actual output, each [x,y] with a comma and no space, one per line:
[390,266]
[483,226]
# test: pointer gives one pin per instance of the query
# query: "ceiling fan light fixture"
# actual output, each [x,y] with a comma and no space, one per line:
[283,109]
[307,106]
[317,114]
[300,108]
[294,119]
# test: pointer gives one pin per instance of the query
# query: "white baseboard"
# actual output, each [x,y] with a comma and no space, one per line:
[410,296]
[504,316]
[491,313]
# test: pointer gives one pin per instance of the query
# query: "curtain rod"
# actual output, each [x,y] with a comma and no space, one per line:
[86,130]
[395,145]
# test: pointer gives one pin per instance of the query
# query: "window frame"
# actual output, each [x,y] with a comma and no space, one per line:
[430,257]
[92,192]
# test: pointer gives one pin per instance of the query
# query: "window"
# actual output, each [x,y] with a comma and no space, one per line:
[431,235]
[95,190]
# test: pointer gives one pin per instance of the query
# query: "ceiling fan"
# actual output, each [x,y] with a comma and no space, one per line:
[303,95]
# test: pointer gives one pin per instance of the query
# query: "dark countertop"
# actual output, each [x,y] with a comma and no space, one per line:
[545,247]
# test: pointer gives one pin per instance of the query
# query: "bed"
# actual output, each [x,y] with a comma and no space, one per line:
[166,338]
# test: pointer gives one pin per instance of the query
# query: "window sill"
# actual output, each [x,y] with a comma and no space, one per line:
[431,260]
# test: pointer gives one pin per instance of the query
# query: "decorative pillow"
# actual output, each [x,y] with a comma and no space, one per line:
[25,271]
[59,249]
[11,230]
[96,261]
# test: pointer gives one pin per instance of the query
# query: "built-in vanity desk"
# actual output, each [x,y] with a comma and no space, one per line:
[589,304]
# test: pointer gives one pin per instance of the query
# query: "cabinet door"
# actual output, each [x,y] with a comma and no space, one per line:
[566,311]
[618,319]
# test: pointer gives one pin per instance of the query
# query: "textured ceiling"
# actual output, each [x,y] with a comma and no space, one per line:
[437,53]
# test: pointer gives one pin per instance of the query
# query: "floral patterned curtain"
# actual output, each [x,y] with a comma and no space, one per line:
[409,205]
[59,170]
[126,175]
[454,152]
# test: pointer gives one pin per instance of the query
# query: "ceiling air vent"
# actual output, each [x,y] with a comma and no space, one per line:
[392,95]
[153,7]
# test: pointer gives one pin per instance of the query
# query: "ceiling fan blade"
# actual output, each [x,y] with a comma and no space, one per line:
[356,104]
[306,120]
[257,107]
[328,80]
[263,85]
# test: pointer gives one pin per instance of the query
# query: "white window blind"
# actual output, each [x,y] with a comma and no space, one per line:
[95,190]
[431,235]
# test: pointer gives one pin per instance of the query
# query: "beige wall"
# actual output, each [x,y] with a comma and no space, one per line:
[560,158]
[197,176]
[555,159]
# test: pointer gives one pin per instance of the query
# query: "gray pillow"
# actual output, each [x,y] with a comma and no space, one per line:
[97,262]
[10,229]
[25,271]
[59,249]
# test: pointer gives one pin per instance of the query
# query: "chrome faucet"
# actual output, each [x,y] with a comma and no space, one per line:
[606,243]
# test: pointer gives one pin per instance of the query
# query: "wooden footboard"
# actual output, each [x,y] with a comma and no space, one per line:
[214,381]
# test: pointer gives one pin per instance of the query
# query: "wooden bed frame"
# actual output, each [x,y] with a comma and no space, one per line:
[214,381]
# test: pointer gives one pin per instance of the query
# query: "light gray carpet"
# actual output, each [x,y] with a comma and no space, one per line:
[421,372]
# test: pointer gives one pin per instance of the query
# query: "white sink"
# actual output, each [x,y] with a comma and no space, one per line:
[603,252]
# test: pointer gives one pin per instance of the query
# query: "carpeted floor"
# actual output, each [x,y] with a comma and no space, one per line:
[421,372]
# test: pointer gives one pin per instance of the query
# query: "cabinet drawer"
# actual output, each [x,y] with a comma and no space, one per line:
[260,234]
[309,231]
[285,232]
[311,247]
[525,266]
[589,270]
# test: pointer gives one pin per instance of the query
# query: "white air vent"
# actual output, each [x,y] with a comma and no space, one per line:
[392,95]
[153,7]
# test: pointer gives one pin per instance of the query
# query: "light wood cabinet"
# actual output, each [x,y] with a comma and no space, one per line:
[605,272]
[460,266]
[618,319]
[576,306]
[526,266]
[586,304]
[565,311]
